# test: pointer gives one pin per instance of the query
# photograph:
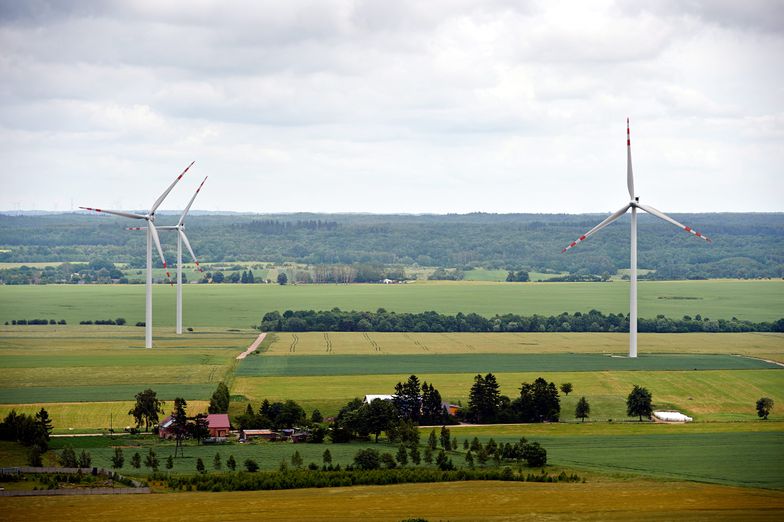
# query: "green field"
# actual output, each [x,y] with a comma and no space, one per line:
[243,305]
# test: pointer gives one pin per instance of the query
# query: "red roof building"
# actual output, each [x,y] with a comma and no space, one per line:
[219,424]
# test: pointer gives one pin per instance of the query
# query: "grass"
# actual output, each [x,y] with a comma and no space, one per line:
[62,364]
[711,395]
[458,501]
[318,365]
[741,458]
[241,306]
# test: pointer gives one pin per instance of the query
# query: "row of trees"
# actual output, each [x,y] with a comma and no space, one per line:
[29,430]
[594,321]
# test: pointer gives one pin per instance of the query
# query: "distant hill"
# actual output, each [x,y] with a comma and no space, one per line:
[744,244]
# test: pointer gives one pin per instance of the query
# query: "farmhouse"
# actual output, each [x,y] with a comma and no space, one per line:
[218,424]
[259,434]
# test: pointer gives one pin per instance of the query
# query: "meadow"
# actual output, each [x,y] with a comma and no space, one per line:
[241,306]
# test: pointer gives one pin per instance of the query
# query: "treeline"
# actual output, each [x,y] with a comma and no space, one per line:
[25,322]
[745,245]
[96,271]
[268,480]
[336,320]
[29,430]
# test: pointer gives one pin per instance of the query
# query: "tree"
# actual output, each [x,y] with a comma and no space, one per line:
[432,440]
[219,403]
[407,398]
[428,455]
[415,457]
[534,454]
[367,458]
[326,457]
[402,455]
[218,277]
[169,462]
[443,462]
[566,388]
[282,278]
[231,463]
[179,424]
[296,459]
[432,408]
[378,416]
[199,429]
[469,459]
[151,460]
[85,459]
[638,403]
[200,465]
[583,409]
[764,406]
[539,402]
[136,460]
[445,438]
[43,428]
[35,456]
[250,465]
[316,417]
[118,459]
[68,458]
[250,277]
[216,462]
[484,399]
[146,409]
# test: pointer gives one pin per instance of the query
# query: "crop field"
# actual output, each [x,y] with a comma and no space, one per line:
[241,306]
[107,364]
[705,395]
[460,501]
[759,344]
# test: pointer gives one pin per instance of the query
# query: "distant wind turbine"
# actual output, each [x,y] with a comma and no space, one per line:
[182,238]
[152,235]
[634,204]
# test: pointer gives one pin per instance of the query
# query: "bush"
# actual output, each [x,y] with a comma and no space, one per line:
[250,465]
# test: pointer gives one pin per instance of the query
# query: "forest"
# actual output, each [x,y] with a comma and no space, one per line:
[745,245]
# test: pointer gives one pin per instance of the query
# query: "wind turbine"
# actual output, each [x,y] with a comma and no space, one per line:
[634,204]
[152,235]
[182,238]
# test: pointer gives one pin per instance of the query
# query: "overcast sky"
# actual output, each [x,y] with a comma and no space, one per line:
[392,106]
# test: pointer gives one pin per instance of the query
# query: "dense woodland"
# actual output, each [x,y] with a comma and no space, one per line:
[744,245]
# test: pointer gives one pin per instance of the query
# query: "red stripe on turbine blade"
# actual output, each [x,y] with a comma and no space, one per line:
[698,234]
[564,250]
[687,229]
[164,265]
[582,238]
[573,243]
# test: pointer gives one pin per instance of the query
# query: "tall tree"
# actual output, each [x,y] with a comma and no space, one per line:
[199,429]
[146,409]
[638,403]
[432,407]
[179,424]
[445,438]
[219,403]
[566,388]
[583,409]
[539,402]
[378,416]
[484,399]
[407,398]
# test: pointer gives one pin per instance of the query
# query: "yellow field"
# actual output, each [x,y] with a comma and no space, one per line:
[496,501]
[85,416]
[762,345]
[705,395]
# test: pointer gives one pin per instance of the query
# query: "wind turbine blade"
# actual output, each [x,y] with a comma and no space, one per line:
[185,212]
[166,192]
[661,215]
[597,228]
[188,246]
[158,246]
[116,213]
[629,174]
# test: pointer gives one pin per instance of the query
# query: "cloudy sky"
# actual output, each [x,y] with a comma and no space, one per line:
[404,106]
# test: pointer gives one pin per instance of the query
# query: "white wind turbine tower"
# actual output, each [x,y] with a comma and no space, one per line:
[182,238]
[634,204]
[152,234]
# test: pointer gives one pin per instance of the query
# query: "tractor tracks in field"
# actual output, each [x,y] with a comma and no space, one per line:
[328,343]
[419,344]
[373,344]
[294,341]
[470,347]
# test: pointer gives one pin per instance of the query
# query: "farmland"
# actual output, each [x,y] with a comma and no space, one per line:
[241,306]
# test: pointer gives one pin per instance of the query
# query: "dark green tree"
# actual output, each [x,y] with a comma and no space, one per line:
[85,459]
[407,398]
[169,462]
[764,406]
[216,462]
[583,409]
[428,455]
[282,278]
[250,465]
[326,457]
[566,388]
[416,458]
[402,455]
[118,459]
[147,409]
[378,416]
[151,460]
[539,402]
[316,417]
[432,441]
[445,438]
[484,399]
[200,465]
[136,460]
[199,429]
[219,403]
[179,426]
[68,458]
[367,458]
[231,463]
[296,460]
[638,403]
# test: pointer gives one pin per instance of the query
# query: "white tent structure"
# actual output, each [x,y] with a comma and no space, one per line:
[634,204]
[152,235]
